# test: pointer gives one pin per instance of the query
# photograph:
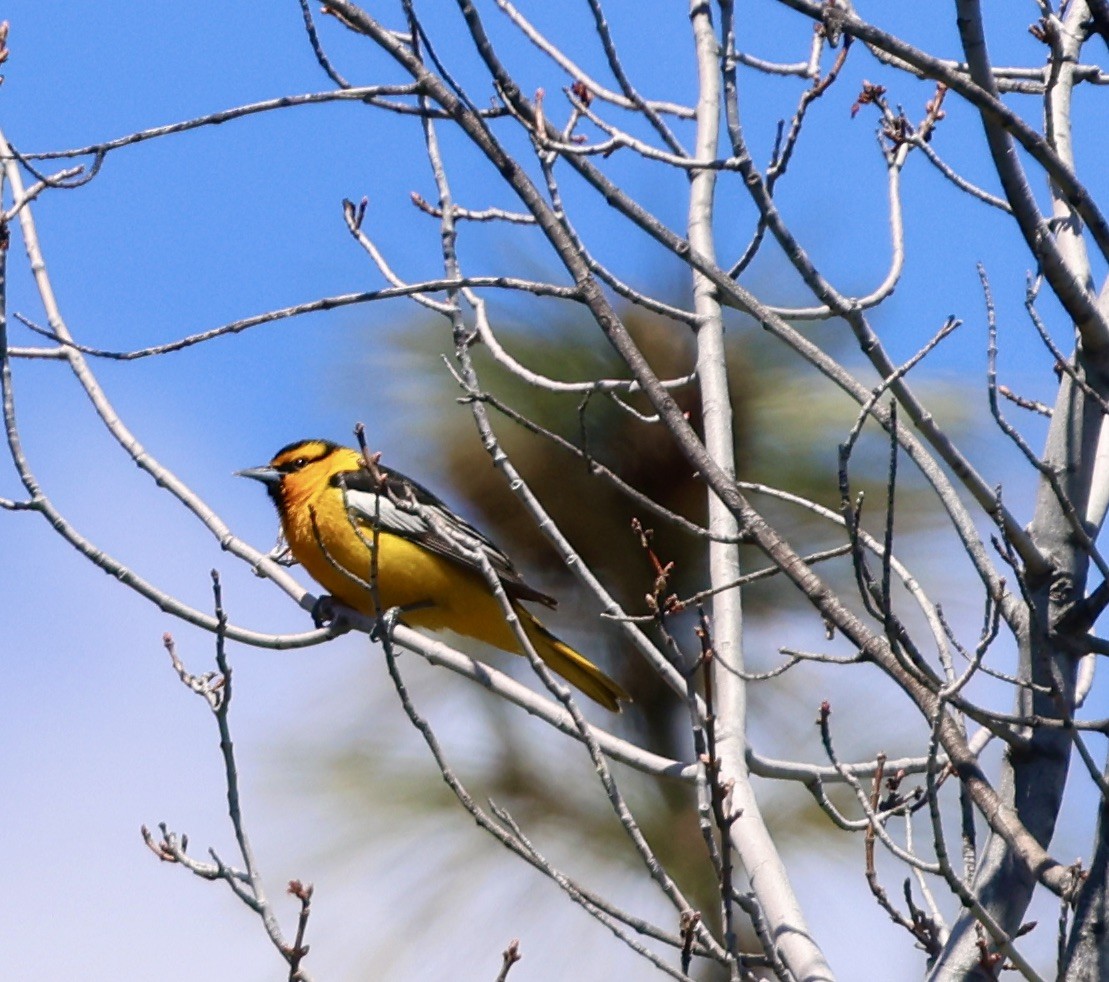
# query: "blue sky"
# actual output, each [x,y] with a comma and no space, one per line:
[193,231]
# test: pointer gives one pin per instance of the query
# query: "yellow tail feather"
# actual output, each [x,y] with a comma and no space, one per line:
[578,670]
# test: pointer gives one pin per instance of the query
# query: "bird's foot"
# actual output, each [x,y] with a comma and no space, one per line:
[327,612]
[386,621]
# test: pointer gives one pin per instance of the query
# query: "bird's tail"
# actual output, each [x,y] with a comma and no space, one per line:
[578,670]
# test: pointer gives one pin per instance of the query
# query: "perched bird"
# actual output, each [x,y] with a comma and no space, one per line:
[336,511]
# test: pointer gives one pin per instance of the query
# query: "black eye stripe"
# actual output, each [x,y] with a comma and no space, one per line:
[299,463]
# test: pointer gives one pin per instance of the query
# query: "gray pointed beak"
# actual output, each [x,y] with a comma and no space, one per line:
[267,475]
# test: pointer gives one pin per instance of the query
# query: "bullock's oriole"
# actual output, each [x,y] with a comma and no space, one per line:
[334,510]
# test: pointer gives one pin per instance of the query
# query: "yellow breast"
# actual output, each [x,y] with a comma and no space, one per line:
[435,592]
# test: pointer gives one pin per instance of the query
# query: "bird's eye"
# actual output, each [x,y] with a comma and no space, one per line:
[291,466]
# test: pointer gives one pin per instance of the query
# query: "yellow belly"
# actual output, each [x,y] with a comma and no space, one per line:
[435,592]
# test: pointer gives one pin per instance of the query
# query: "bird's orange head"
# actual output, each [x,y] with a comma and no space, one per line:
[303,470]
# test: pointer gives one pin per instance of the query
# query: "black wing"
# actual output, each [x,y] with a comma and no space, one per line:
[400,506]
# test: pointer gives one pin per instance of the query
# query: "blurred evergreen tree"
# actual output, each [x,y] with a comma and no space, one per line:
[788,431]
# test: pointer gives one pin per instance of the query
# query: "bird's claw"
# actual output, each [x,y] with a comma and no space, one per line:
[386,621]
[325,612]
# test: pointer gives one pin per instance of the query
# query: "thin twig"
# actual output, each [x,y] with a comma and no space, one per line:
[215,688]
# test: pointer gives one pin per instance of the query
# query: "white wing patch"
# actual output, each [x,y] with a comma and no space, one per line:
[380,510]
